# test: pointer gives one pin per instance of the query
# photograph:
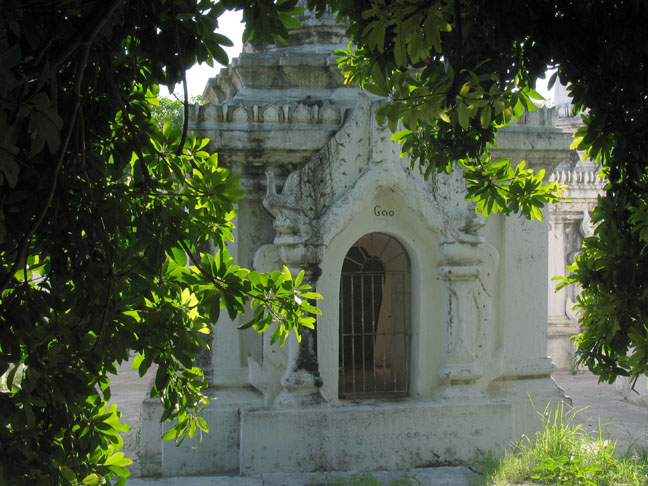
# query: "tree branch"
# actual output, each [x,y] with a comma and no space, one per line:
[205,274]
[458,61]
[185,124]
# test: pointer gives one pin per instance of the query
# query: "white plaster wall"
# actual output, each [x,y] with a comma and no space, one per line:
[521,305]
[638,394]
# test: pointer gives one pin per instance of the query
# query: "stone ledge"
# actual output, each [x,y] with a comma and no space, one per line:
[392,435]
[430,476]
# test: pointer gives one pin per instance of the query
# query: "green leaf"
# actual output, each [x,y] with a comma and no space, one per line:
[170,434]
[444,116]
[222,39]
[178,255]
[120,471]
[9,168]
[310,295]
[534,94]
[246,325]
[118,459]
[398,136]
[137,361]
[217,52]
[552,80]
[462,114]
[381,86]
[375,89]
[400,49]
[68,474]
[91,480]
[485,117]
[289,21]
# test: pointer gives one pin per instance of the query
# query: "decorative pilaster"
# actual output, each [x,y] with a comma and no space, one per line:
[299,250]
[461,275]
[301,381]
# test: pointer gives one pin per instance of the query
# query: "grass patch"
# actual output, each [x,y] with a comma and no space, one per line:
[561,453]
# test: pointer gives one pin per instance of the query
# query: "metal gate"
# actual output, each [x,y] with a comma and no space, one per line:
[375,319]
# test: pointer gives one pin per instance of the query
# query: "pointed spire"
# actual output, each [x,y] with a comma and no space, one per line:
[317,34]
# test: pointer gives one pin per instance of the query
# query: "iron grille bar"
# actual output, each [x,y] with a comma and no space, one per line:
[373,320]
[353,374]
[342,363]
[362,321]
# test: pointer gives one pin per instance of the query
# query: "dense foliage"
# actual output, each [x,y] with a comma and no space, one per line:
[171,108]
[457,70]
[112,229]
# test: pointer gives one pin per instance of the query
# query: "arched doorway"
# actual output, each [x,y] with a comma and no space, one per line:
[375,326]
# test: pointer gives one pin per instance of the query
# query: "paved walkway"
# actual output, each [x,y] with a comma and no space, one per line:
[598,405]
[601,403]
